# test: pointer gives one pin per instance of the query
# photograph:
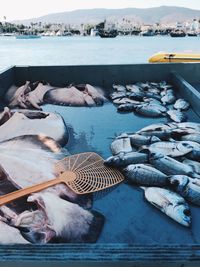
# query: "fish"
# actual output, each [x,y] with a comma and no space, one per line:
[144,86]
[27,122]
[10,235]
[139,140]
[68,97]
[170,203]
[34,98]
[181,104]
[195,153]
[185,186]
[173,149]
[18,98]
[36,155]
[142,174]
[195,165]
[121,145]
[195,137]
[125,100]
[151,101]
[125,159]
[169,98]
[158,127]
[134,88]
[150,110]
[5,115]
[117,95]
[189,125]
[170,166]
[152,95]
[137,96]
[58,220]
[177,115]
[154,90]
[162,131]
[95,93]
[119,88]
[127,107]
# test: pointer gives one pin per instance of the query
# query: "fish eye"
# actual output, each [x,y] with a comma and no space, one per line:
[187,212]
[175,182]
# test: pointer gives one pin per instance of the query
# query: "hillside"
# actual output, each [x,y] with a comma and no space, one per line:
[163,14]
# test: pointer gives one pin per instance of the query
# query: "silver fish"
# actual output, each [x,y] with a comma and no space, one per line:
[181,104]
[122,160]
[140,140]
[158,127]
[151,100]
[133,88]
[126,107]
[116,95]
[142,174]
[193,164]
[144,86]
[173,149]
[186,187]
[125,100]
[195,153]
[169,98]
[195,137]
[150,110]
[121,145]
[177,115]
[189,125]
[138,96]
[170,166]
[169,203]
[154,90]
[119,88]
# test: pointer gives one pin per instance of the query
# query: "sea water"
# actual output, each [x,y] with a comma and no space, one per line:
[89,50]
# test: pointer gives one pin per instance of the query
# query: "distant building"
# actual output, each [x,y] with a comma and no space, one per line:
[195,26]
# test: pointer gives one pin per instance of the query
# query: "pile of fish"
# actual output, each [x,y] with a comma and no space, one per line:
[30,148]
[150,99]
[164,160]
[33,95]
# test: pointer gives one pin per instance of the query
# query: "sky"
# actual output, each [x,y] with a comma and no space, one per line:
[24,9]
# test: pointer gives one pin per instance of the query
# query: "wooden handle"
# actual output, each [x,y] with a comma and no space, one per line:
[26,191]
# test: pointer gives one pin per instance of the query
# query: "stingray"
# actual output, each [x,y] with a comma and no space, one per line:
[28,160]
[58,220]
[33,95]
[10,235]
[24,122]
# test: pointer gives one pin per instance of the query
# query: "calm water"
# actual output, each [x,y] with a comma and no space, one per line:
[128,218]
[89,50]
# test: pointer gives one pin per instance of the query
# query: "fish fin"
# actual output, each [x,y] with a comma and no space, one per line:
[95,227]
[143,187]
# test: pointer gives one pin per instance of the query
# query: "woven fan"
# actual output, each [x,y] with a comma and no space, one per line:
[84,173]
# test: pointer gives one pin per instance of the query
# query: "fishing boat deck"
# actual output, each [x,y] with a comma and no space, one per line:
[134,230]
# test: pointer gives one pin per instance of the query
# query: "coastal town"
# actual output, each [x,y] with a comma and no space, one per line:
[123,27]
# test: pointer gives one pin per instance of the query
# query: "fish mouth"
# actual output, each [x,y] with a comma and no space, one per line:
[35,226]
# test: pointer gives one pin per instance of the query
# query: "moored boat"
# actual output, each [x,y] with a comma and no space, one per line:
[174,57]
[178,33]
[28,36]
[108,34]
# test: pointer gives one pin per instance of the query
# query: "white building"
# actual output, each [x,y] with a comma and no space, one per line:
[195,26]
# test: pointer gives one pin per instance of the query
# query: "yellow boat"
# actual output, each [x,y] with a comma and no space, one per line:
[174,57]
